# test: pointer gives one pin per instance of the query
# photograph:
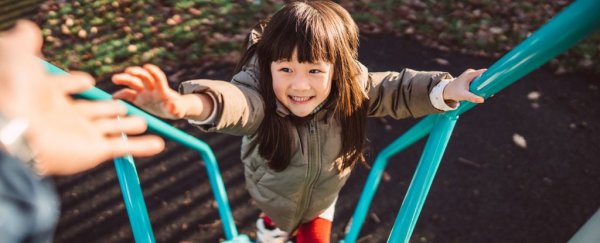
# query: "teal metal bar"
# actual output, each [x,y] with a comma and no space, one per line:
[414,134]
[134,199]
[157,126]
[129,182]
[589,231]
[421,182]
[566,29]
[570,26]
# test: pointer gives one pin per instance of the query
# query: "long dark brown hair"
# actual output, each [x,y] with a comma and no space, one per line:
[319,31]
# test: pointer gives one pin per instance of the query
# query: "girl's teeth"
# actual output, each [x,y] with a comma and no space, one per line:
[300,99]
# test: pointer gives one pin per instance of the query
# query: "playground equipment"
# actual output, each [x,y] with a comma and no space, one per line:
[563,31]
[130,183]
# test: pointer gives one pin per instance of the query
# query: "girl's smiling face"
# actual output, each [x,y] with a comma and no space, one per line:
[301,87]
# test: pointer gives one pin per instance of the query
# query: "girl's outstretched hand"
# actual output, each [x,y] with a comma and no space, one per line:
[458,90]
[149,90]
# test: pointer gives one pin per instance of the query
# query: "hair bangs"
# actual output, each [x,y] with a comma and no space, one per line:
[303,30]
[281,46]
[315,43]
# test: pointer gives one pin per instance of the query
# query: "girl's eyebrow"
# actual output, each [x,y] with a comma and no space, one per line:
[321,64]
[282,60]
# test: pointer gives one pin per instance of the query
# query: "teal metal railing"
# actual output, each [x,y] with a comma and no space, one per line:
[129,181]
[563,31]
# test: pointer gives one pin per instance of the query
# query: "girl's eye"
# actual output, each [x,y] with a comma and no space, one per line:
[286,70]
[315,71]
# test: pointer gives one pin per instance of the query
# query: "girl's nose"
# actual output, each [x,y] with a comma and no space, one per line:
[300,82]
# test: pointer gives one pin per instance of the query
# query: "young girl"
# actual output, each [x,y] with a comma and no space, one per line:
[300,99]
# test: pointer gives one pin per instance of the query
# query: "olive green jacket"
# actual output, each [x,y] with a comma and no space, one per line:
[311,182]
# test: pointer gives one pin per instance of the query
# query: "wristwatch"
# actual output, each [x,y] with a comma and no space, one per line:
[13,140]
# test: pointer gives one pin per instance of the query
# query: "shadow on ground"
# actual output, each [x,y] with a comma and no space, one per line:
[487,188]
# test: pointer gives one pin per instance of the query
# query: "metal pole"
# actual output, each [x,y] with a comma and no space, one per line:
[423,178]
[589,232]
[134,199]
[566,29]
[414,134]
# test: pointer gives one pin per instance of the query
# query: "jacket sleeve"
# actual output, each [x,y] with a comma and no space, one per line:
[239,106]
[401,94]
[28,204]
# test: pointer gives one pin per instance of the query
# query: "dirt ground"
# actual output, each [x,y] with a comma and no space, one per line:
[487,188]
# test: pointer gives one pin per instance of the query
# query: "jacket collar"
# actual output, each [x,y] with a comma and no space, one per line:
[281,109]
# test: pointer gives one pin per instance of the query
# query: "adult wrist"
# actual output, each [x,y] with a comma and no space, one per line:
[14,142]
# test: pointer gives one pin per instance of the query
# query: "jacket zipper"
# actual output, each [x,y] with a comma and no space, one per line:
[314,169]
[311,127]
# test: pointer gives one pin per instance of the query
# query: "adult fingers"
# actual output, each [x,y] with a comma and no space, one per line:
[162,83]
[128,80]
[142,74]
[17,49]
[25,38]
[139,146]
[126,94]
[74,83]
[128,125]
[100,109]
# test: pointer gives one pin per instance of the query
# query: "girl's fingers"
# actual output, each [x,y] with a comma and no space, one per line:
[127,124]
[126,94]
[129,81]
[100,109]
[473,98]
[477,99]
[475,74]
[471,74]
[162,83]
[139,146]
[142,74]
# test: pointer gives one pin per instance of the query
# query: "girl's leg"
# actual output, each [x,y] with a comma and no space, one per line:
[318,231]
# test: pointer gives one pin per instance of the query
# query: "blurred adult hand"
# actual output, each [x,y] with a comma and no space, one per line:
[68,136]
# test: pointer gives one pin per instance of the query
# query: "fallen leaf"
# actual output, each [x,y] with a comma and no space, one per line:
[441,61]
[533,95]
[375,218]
[519,140]
[386,177]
